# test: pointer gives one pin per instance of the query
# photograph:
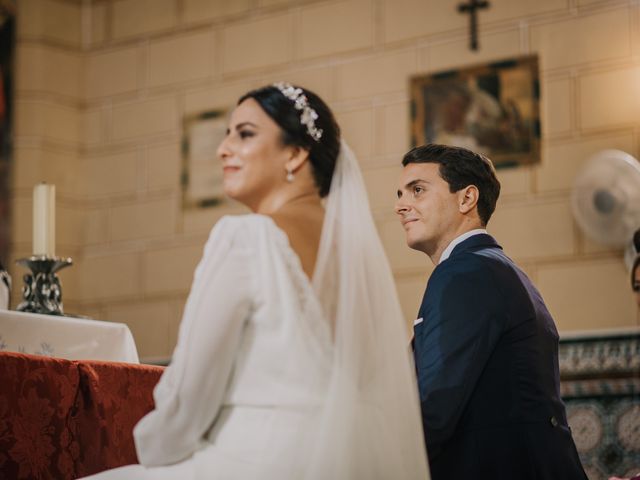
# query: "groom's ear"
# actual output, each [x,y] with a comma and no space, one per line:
[468,198]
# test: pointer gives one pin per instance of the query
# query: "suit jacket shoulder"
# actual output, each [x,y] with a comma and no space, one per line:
[466,277]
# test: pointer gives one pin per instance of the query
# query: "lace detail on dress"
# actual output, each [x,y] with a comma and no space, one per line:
[311,311]
[301,281]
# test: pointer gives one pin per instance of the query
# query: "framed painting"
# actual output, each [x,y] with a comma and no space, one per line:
[201,169]
[491,109]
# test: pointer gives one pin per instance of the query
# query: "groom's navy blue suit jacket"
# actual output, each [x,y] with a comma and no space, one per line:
[486,356]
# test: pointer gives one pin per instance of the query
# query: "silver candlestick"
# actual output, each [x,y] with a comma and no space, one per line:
[42,292]
[5,289]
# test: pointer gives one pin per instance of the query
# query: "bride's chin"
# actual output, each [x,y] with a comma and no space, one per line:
[236,194]
[230,191]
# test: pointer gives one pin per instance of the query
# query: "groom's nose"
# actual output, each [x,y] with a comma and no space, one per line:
[401,206]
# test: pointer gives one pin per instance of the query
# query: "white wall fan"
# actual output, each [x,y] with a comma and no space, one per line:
[606,199]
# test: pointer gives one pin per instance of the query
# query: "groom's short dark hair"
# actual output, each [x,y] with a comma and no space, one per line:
[460,168]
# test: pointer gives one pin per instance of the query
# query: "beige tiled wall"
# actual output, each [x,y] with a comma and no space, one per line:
[50,20]
[241,49]
[351,25]
[132,18]
[111,72]
[104,85]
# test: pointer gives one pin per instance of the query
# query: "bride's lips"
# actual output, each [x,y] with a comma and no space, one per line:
[230,169]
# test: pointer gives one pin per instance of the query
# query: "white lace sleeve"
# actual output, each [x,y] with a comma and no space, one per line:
[192,388]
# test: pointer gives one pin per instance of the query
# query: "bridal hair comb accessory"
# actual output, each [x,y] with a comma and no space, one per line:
[309,116]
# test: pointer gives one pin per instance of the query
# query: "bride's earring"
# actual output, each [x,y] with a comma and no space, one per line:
[289,175]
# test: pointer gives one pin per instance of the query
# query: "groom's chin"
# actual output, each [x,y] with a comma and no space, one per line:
[419,243]
[413,243]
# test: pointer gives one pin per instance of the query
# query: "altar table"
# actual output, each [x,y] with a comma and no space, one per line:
[66,337]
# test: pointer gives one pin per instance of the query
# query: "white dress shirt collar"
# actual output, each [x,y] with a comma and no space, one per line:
[456,241]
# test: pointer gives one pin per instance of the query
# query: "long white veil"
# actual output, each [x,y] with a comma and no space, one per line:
[370,426]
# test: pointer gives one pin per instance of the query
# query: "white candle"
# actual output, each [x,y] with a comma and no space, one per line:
[44,220]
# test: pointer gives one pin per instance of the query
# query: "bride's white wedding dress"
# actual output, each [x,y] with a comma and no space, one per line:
[252,360]
[278,376]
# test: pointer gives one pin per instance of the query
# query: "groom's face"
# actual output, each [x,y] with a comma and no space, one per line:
[427,209]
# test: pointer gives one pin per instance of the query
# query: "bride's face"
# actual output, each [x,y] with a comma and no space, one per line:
[252,154]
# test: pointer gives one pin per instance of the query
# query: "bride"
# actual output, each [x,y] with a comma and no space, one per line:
[291,361]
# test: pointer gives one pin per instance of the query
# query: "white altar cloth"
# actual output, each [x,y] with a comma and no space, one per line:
[66,337]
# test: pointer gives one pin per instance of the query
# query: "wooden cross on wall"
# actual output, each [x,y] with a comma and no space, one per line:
[472,9]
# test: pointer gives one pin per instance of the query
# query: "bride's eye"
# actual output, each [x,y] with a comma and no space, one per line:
[246,133]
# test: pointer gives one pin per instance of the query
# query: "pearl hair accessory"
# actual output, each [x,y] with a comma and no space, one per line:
[309,116]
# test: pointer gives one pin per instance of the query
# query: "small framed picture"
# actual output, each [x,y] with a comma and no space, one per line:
[491,109]
[201,169]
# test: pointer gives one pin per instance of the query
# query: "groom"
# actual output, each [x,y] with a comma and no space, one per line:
[485,345]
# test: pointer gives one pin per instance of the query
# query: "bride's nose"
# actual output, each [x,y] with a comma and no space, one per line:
[223,150]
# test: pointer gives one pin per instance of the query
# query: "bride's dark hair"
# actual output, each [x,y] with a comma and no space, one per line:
[323,153]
